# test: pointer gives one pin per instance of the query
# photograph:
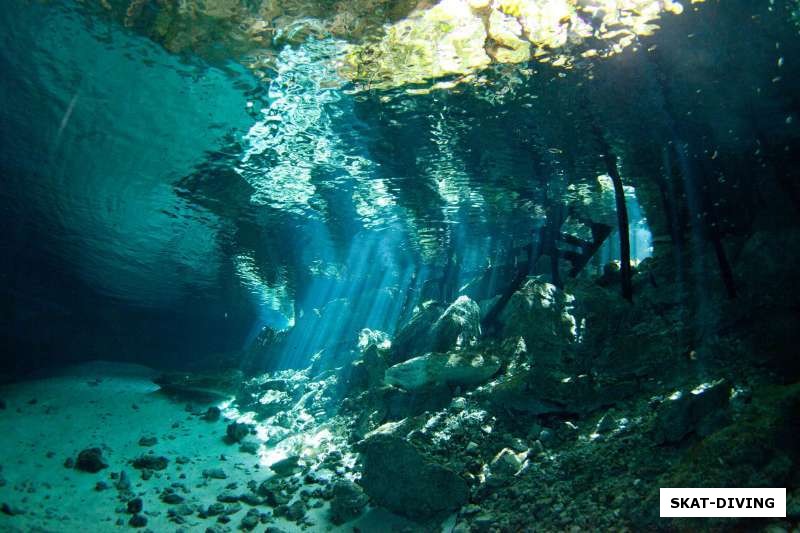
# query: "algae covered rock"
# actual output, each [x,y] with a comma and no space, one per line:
[399,477]
[459,368]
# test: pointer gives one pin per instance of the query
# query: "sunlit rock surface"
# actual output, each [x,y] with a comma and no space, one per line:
[461,368]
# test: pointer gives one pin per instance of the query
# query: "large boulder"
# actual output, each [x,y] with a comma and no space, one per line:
[699,411]
[434,329]
[458,327]
[457,368]
[400,478]
[413,338]
[542,315]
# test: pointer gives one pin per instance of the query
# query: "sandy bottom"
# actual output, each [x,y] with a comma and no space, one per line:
[112,406]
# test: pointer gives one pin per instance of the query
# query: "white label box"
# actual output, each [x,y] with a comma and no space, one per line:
[744,503]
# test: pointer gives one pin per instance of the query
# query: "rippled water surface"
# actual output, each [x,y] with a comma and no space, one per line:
[189,167]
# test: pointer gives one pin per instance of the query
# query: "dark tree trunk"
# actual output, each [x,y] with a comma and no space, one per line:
[490,322]
[622,223]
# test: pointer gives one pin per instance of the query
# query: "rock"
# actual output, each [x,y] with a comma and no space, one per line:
[138,520]
[605,424]
[148,441]
[250,520]
[546,436]
[135,506]
[398,477]
[414,338]
[459,325]
[212,414]
[536,449]
[220,384]
[700,411]
[540,314]
[459,368]
[150,462]
[250,499]
[293,512]
[504,466]
[123,483]
[91,460]
[546,389]
[286,467]
[10,510]
[228,497]
[459,403]
[374,362]
[215,509]
[171,497]
[432,329]
[368,338]
[348,500]
[483,522]
[215,473]
[249,446]
[236,431]
[275,492]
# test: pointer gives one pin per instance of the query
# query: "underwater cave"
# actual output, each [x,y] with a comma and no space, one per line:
[458,266]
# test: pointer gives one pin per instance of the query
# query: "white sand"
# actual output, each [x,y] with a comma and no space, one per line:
[112,406]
